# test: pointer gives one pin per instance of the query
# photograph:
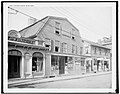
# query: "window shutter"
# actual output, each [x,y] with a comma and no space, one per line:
[52,45]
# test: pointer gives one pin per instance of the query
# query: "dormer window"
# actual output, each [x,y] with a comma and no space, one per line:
[57,28]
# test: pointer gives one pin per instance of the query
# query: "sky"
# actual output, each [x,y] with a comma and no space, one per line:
[94,21]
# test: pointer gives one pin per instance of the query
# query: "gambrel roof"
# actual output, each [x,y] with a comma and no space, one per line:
[33,30]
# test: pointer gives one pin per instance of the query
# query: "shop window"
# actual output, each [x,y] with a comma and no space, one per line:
[54,63]
[57,46]
[37,62]
[70,63]
[57,28]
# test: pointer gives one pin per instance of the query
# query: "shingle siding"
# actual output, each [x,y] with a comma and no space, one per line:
[48,31]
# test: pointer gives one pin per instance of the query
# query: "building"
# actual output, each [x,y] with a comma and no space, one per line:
[59,36]
[26,57]
[98,56]
[107,42]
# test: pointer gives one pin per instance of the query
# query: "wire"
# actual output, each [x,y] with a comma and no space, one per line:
[22,13]
[59,29]
[73,17]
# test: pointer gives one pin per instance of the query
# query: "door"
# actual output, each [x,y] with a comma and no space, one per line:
[13,66]
[61,65]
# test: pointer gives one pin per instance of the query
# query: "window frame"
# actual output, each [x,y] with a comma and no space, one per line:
[64,47]
[73,34]
[73,49]
[56,46]
[47,43]
[57,29]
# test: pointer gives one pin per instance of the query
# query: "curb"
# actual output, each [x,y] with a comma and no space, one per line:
[56,79]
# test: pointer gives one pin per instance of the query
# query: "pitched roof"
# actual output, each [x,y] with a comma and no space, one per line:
[32,30]
[95,44]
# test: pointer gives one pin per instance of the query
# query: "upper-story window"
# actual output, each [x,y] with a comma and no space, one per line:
[57,46]
[76,50]
[57,28]
[86,48]
[81,50]
[106,52]
[73,34]
[48,43]
[73,49]
[99,51]
[64,47]
[95,50]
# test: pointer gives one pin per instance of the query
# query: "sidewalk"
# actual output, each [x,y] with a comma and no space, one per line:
[29,81]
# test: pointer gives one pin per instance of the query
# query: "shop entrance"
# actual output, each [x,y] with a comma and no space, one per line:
[57,65]
[61,65]
[14,58]
[106,65]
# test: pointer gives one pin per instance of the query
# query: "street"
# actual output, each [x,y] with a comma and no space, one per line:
[99,81]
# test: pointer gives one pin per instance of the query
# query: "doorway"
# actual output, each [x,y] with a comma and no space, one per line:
[14,58]
[61,65]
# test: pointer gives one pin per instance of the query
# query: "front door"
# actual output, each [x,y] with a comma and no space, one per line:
[14,66]
[61,65]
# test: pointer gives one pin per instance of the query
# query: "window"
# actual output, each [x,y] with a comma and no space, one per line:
[95,50]
[76,49]
[81,50]
[57,28]
[86,48]
[48,43]
[105,52]
[64,47]
[57,46]
[100,51]
[73,34]
[73,49]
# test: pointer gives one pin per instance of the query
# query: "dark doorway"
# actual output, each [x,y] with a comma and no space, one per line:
[14,58]
[14,66]
[61,65]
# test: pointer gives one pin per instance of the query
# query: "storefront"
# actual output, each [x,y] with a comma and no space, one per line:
[61,65]
[100,64]
[89,64]
[106,64]
[26,59]
[66,65]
